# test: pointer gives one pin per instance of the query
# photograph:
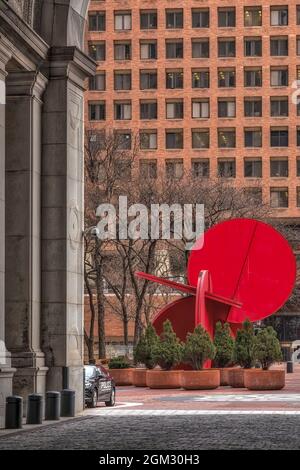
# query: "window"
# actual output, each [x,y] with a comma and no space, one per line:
[97,21]
[174,19]
[298,166]
[148,19]
[279,168]
[148,139]
[298,137]
[226,17]
[253,47]
[148,109]
[122,50]
[254,195]
[200,48]
[148,50]
[200,108]
[174,110]
[279,77]
[253,137]
[252,168]
[226,78]
[226,138]
[200,138]
[122,80]
[174,49]
[298,14]
[279,16]
[200,168]
[226,108]
[174,139]
[148,79]
[122,110]
[298,196]
[96,140]
[252,16]
[97,111]
[123,168]
[279,197]
[123,140]
[298,45]
[174,79]
[279,137]
[122,21]
[97,83]
[174,169]
[253,107]
[279,46]
[226,47]
[200,78]
[279,106]
[253,77]
[148,169]
[226,168]
[97,51]
[200,18]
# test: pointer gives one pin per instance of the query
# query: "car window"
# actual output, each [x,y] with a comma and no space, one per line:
[89,372]
[103,371]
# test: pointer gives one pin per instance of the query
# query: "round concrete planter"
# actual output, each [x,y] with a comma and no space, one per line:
[257,379]
[121,376]
[207,379]
[163,378]
[139,377]
[236,377]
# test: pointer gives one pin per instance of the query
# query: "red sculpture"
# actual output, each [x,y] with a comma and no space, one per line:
[242,268]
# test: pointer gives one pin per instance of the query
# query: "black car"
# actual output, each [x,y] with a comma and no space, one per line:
[99,386]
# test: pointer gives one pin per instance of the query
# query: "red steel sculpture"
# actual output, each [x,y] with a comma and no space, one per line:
[241,269]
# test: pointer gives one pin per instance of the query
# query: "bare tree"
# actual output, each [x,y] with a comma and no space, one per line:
[109,159]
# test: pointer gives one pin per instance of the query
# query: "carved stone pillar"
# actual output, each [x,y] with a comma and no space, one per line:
[23,229]
[6,372]
[62,219]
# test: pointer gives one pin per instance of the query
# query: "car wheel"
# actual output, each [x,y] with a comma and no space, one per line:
[94,401]
[112,400]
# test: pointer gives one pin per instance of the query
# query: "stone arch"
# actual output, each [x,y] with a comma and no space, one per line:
[62,23]
[58,23]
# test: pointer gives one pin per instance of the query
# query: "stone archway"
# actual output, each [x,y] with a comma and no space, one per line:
[44,76]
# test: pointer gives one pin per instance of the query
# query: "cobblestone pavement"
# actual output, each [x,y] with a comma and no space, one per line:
[164,433]
[224,418]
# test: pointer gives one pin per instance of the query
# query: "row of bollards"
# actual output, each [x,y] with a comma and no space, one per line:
[57,405]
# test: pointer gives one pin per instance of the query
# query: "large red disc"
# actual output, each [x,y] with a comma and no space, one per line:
[249,261]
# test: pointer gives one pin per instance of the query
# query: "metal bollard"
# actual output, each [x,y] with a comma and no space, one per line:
[289,367]
[13,412]
[35,409]
[67,409]
[52,406]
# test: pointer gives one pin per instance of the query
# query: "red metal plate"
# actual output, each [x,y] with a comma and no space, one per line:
[248,261]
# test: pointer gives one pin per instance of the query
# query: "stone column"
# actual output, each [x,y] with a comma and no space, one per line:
[6,372]
[62,219]
[23,222]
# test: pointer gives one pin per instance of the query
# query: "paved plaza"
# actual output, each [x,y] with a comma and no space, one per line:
[176,419]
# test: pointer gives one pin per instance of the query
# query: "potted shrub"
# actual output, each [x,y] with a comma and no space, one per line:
[224,344]
[167,354]
[197,349]
[120,370]
[144,354]
[267,350]
[243,354]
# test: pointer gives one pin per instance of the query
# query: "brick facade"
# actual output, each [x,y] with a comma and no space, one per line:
[286,171]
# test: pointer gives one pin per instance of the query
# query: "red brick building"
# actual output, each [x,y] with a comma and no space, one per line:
[208,84]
